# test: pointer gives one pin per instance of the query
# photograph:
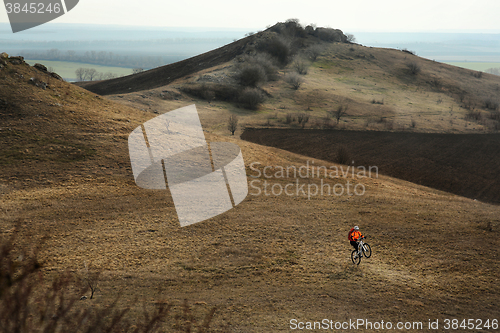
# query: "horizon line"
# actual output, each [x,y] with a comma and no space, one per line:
[255,29]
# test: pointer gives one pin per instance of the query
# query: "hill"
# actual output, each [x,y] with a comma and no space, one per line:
[66,175]
[164,75]
[381,89]
[345,86]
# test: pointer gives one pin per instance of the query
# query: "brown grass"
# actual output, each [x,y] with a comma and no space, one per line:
[271,259]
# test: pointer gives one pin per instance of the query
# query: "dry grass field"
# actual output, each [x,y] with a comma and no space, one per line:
[66,177]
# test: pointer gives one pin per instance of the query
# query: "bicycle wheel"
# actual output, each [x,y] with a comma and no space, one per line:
[367,250]
[356,259]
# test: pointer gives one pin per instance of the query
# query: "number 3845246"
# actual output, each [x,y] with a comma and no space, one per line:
[33,8]
[471,324]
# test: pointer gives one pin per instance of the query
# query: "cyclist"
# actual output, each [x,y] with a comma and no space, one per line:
[353,236]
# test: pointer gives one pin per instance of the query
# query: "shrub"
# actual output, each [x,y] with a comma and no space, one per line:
[288,118]
[477,74]
[210,91]
[300,66]
[469,104]
[436,82]
[342,156]
[314,52]
[461,96]
[305,121]
[293,28]
[495,116]
[250,98]
[389,125]
[30,304]
[232,124]
[408,51]
[277,47]
[251,75]
[294,80]
[413,67]
[381,102]
[265,61]
[473,115]
[302,119]
[328,123]
[491,104]
[330,35]
[350,38]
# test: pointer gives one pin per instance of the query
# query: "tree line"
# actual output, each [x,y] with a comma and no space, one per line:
[91,74]
[99,58]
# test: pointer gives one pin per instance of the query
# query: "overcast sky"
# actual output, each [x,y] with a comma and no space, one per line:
[349,16]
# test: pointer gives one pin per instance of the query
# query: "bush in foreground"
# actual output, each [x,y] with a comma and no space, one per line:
[29,304]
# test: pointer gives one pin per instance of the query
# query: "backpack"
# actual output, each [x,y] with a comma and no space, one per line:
[349,234]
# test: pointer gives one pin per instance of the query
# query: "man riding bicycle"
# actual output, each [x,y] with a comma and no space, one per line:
[353,236]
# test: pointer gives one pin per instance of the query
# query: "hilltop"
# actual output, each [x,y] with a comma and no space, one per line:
[380,89]
[66,175]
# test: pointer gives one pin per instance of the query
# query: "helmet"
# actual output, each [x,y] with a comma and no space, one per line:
[356,227]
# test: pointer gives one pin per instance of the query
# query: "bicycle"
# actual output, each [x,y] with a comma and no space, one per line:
[363,249]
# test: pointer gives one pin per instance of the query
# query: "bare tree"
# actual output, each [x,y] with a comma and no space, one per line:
[350,38]
[90,74]
[80,74]
[314,51]
[294,80]
[302,119]
[494,71]
[340,112]
[232,124]
[108,75]
[91,279]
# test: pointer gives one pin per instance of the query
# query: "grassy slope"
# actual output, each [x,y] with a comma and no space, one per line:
[269,260]
[355,76]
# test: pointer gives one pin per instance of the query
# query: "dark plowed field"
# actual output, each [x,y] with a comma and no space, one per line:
[463,164]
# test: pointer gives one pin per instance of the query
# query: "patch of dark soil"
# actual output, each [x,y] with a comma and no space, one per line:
[463,164]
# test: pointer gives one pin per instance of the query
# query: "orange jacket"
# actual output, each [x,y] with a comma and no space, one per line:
[355,235]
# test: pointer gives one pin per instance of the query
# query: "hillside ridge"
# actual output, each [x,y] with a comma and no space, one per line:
[164,75]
